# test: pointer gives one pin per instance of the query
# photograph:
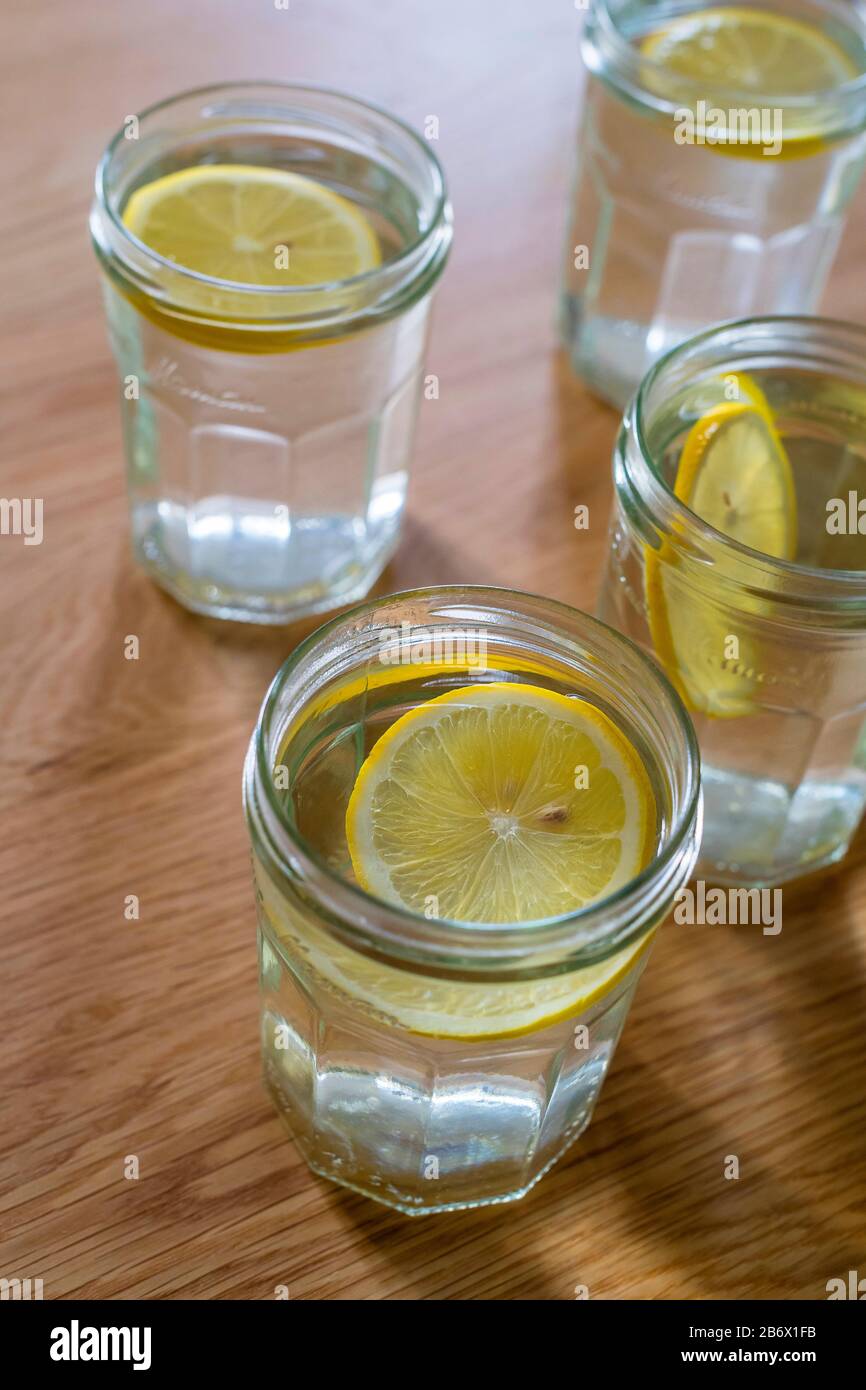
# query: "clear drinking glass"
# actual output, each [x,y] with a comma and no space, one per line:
[268,430]
[407,1110]
[770,655]
[668,233]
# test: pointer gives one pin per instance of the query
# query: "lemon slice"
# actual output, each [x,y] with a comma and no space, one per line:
[751,51]
[440,1008]
[734,473]
[500,802]
[253,225]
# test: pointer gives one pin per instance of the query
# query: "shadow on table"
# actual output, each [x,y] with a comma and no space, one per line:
[654,1161]
[666,1153]
[449,1255]
[658,1155]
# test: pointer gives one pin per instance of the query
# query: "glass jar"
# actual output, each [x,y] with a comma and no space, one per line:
[268,430]
[391,1040]
[670,231]
[769,655]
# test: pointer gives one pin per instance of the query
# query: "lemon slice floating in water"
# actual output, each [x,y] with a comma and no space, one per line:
[735,475]
[253,225]
[751,51]
[457,1010]
[500,802]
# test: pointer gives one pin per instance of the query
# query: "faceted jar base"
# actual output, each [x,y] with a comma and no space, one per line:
[427,1124]
[275,607]
[760,833]
[405,1202]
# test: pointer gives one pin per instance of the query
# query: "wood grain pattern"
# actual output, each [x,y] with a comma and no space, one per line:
[123,777]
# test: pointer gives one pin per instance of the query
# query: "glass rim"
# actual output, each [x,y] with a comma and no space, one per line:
[441,212]
[460,942]
[627,55]
[690,521]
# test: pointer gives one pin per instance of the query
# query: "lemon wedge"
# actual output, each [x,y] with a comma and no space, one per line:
[253,225]
[735,475]
[750,51]
[500,802]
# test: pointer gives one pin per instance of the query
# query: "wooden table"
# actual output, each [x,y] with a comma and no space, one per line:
[123,777]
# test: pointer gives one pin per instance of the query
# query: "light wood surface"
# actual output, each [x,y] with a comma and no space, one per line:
[123,777]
